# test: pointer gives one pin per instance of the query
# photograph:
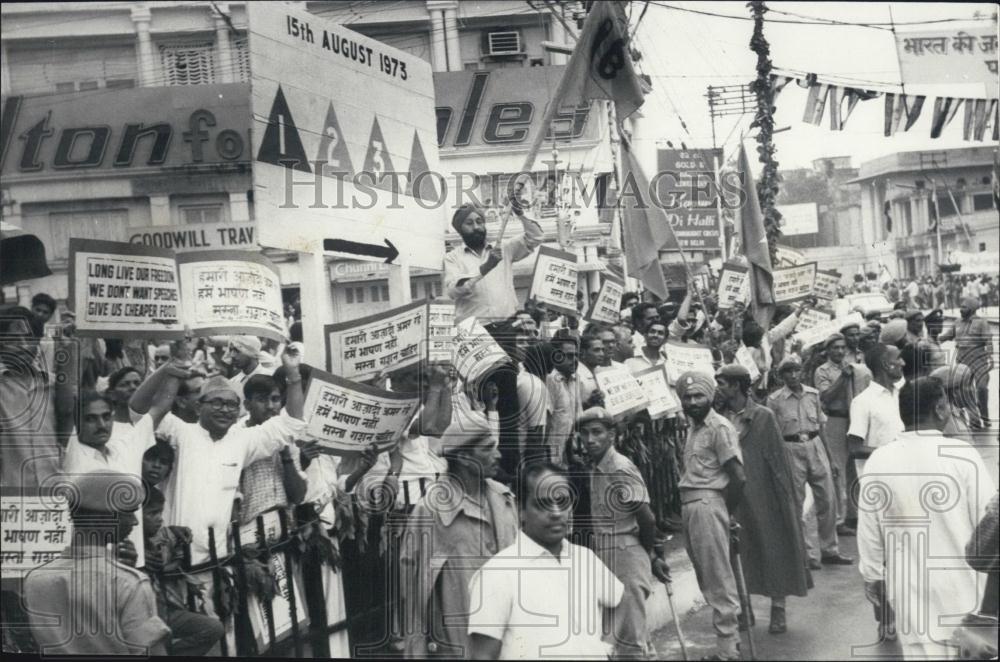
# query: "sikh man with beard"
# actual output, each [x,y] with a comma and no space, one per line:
[711,489]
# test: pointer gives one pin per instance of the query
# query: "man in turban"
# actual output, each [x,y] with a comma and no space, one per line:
[711,487]
[479,276]
[974,346]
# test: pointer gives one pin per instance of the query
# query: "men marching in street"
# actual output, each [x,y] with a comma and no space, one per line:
[974,343]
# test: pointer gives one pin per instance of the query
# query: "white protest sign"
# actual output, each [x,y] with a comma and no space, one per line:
[554,280]
[440,322]
[344,416]
[608,303]
[196,236]
[663,399]
[824,330]
[231,292]
[682,357]
[826,285]
[120,289]
[794,283]
[35,528]
[280,606]
[734,285]
[745,358]
[359,349]
[475,350]
[355,169]
[812,317]
[623,394]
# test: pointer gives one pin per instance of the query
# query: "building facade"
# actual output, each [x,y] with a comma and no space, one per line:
[131,121]
[919,207]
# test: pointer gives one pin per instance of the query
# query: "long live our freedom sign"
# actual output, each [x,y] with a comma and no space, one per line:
[345,417]
[35,528]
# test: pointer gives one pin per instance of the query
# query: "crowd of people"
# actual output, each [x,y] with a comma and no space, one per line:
[944,291]
[517,513]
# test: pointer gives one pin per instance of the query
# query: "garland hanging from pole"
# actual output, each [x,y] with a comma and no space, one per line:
[767,184]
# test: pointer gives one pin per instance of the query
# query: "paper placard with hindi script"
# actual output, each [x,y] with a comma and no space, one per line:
[231,292]
[35,528]
[745,358]
[794,283]
[682,357]
[344,416]
[812,317]
[119,289]
[475,350]
[607,306]
[440,326]
[663,399]
[824,330]
[734,285]
[554,280]
[623,394]
[826,285]
[386,341]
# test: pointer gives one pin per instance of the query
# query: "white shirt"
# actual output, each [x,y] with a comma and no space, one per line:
[206,474]
[920,500]
[541,607]
[875,415]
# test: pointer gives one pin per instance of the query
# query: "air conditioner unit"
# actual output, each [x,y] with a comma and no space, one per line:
[503,43]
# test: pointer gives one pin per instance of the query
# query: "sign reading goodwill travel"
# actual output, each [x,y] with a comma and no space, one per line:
[352,168]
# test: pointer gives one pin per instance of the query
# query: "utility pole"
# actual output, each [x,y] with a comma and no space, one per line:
[725,100]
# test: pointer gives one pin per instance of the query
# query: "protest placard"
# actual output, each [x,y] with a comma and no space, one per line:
[623,395]
[231,292]
[824,330]
[734,281]
[607,305]
[34,527]
[359,349]
[812,317]
[794,283]
[475,350]
[554,280]
[663,399]
[682,357]
[345,416]
[119,289]
[745,359]
[440,325]
[826,284]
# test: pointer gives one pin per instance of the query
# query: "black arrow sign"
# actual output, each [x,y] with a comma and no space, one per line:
[388,251]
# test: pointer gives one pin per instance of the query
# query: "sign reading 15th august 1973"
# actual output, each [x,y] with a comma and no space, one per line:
[353,168]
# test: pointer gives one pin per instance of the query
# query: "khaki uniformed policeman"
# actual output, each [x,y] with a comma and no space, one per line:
[711,487]
[800,417]
[86,602]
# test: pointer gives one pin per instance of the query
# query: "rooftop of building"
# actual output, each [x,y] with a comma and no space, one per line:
[915,161]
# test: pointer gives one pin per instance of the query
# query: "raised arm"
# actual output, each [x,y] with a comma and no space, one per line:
[155,395]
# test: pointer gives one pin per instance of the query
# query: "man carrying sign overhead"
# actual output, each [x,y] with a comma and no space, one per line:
[478,276]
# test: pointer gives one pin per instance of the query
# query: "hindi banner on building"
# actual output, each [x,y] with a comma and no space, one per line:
[824,330]
[734,285]
[475,350]
[655,384]
[623,395]
[554,280]
[119,289]
[396,338]
[440,327]
[35,528]
[231,292]
[794,283]
[345,416]
[607,306]
[682,357]
[827,284]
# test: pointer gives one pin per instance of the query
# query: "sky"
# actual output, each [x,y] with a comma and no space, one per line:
[685,52]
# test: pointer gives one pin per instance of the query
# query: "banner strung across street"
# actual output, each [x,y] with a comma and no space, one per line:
[734,285]
[386,341]
[231,292]
[827,284]
[623,395]
[119,289]
[35,528]
[794,283]
[682,357]
[607,306]
[344,416]
[662,397]
[554,280]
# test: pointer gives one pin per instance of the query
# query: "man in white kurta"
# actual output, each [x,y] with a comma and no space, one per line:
[921,498]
